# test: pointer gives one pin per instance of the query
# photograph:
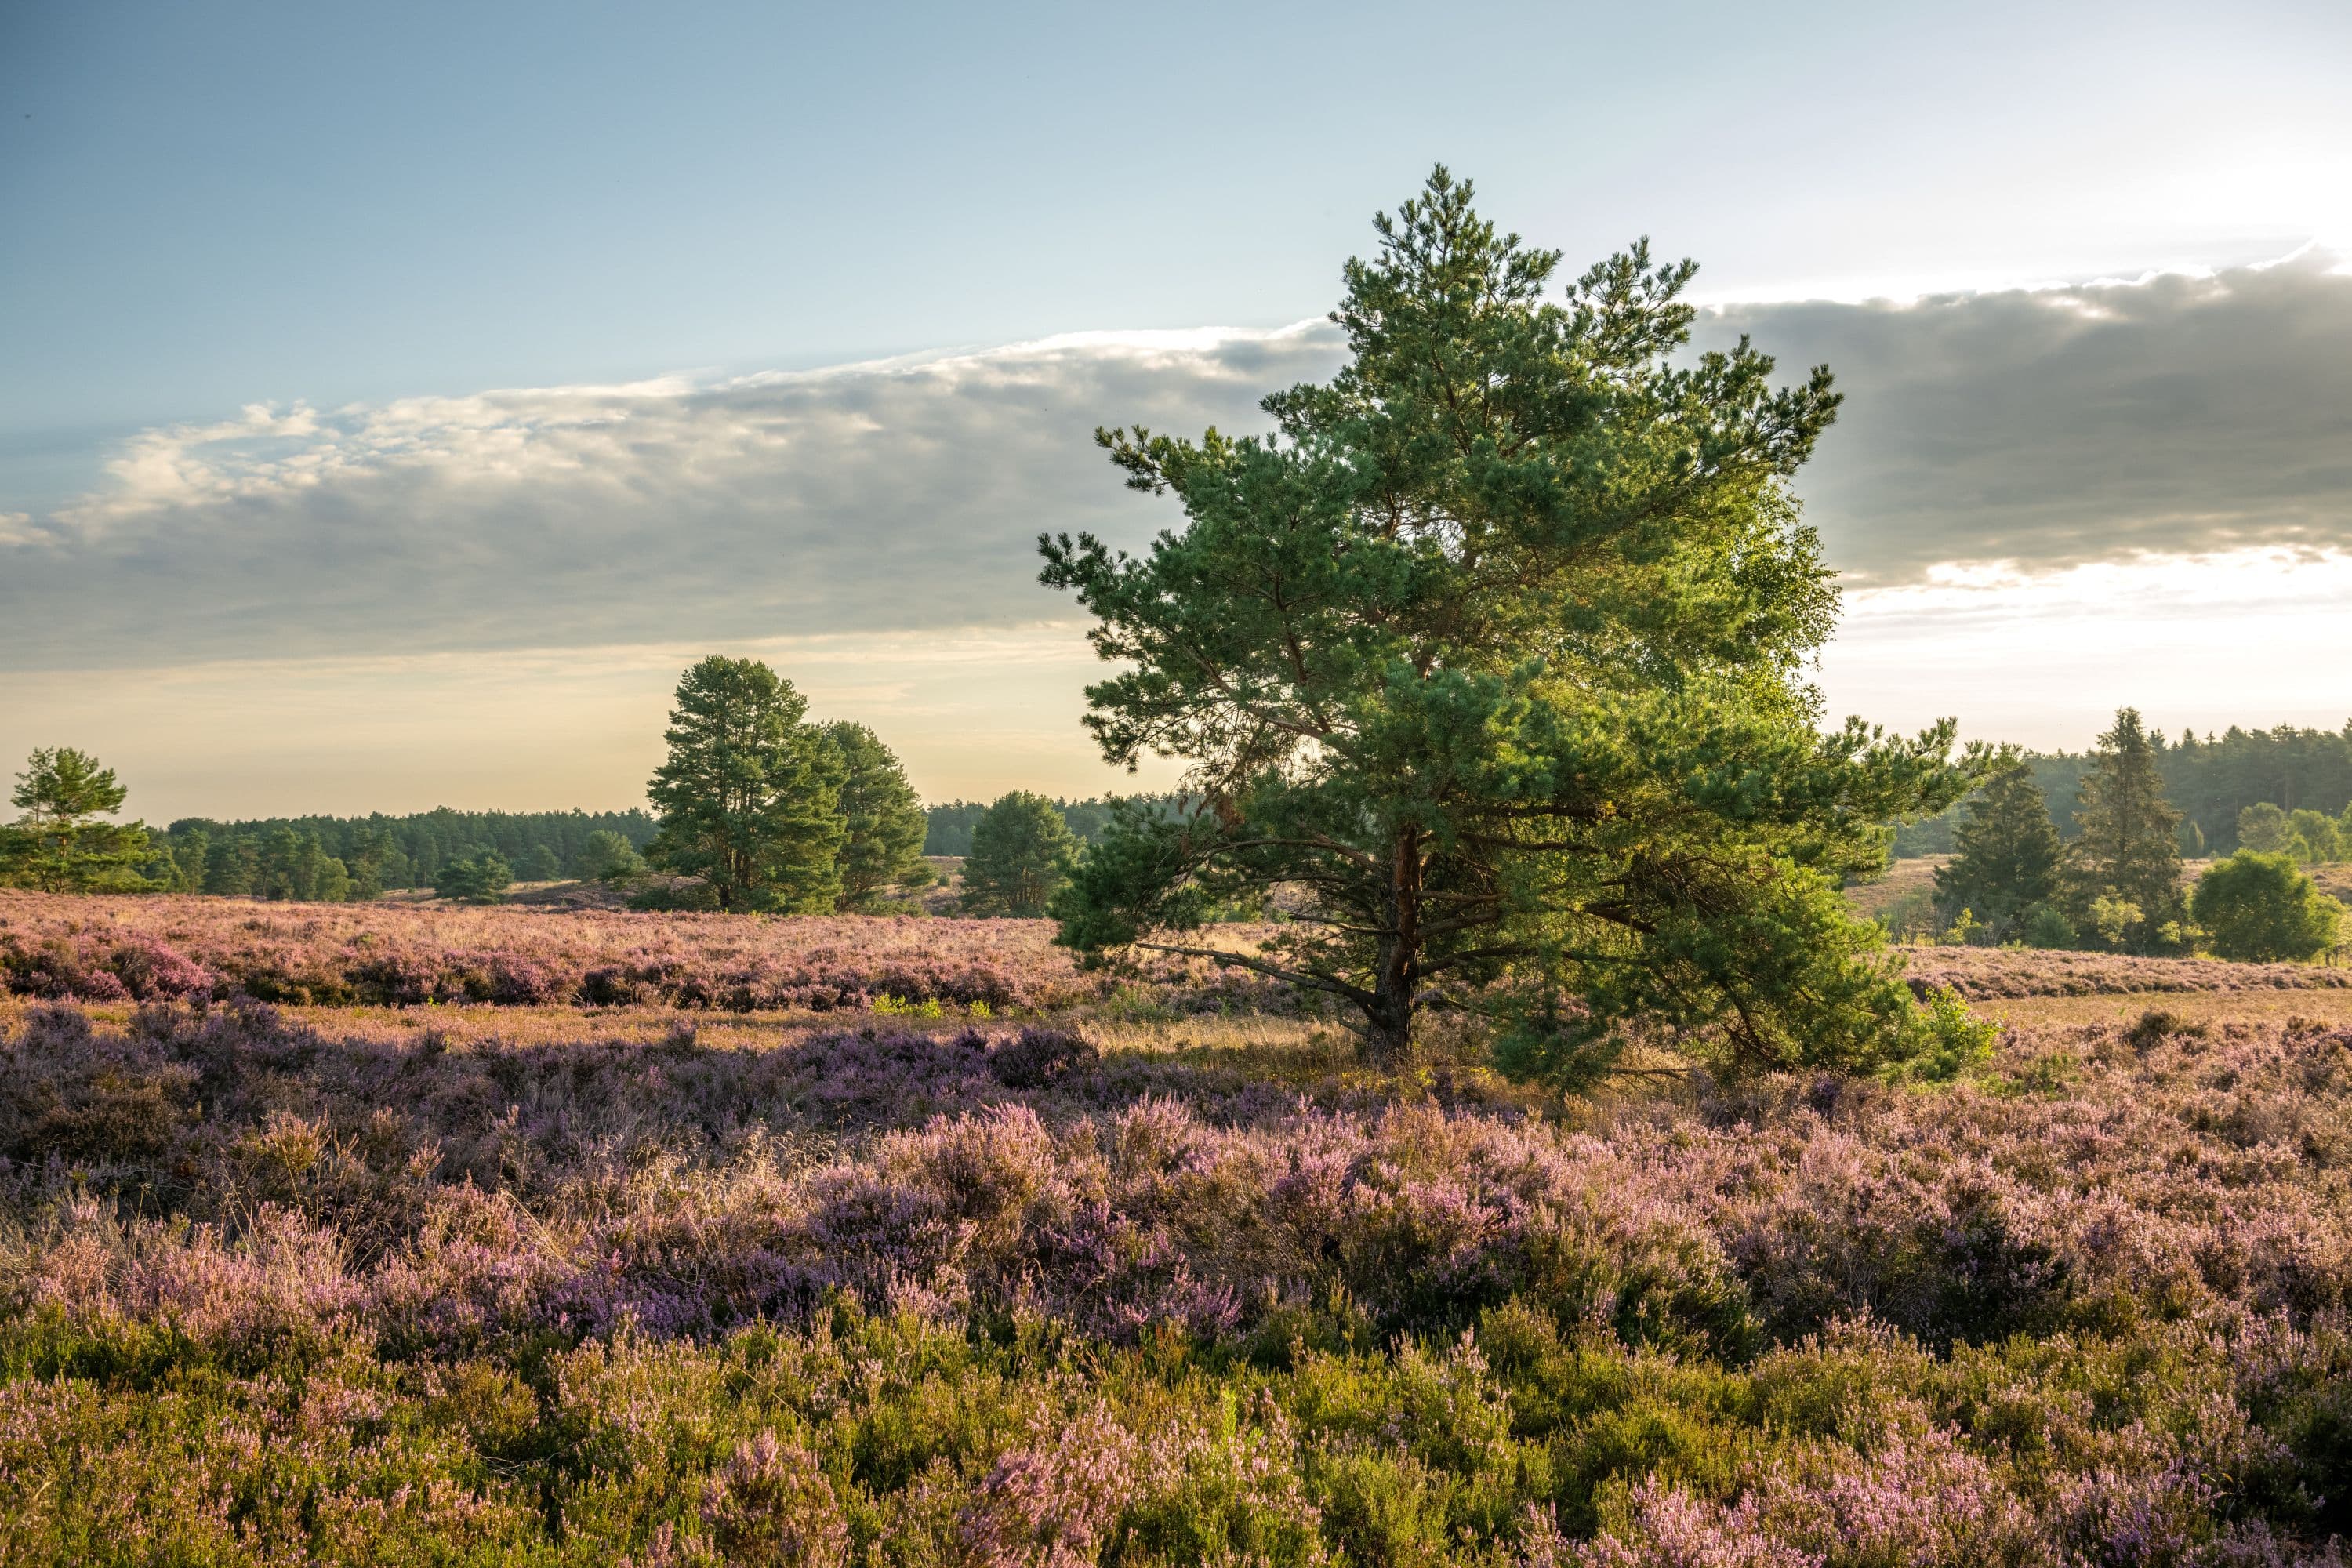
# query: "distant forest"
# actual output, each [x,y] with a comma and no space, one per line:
[951,825]
[2207,780]
[280,857]
[288,856]
[2210,779]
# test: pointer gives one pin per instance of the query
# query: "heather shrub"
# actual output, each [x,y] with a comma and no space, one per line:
[1039,1057]
[373,1287]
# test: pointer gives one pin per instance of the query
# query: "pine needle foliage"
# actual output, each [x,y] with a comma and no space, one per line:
[63,843]
[2123,868]
[1489,660]
[883,822]
[749,794]
[2007,856]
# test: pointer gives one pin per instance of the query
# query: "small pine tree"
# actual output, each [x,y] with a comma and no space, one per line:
[750,796]
[62,844]
[480,879]
[610,858]
[2008,853]
[2259,908]
[883,822]
[1020,853]
[2123,872]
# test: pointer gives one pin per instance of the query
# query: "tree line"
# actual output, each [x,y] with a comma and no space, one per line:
[330,859]
[2117,884]
[2212,782]
[950,825]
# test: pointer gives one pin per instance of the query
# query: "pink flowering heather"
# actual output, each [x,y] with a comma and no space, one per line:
[345,1287]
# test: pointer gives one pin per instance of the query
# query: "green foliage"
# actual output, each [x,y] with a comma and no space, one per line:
[290,865]
[1020,851]
[2323,839]
[2267,830]
[538,864]
[2258,908]
[2046,925]
[380,852]
[1494,651]
[2007,858]
[2210,780]
[62,842]
[948,830]
[2123,870]
[749,794]
[610,858]
[178,865]
[883,822]
[1942,1041]
[478,878]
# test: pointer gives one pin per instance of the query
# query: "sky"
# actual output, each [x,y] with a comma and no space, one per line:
[393,399]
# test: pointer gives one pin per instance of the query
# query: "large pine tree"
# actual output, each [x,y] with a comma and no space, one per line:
[749,794]
[2123,869]
[1490,657]
[2006,860]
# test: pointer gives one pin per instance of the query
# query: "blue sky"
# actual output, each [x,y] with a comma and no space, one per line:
[365,221]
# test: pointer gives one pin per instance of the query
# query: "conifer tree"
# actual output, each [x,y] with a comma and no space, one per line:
[1021,851]
[1492,653]
[749,794]
[2123,872]
[883,822]
[62,843]
[2006,860]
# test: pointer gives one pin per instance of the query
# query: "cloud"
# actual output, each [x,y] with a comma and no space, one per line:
[2050,427]
[2038,429]
[899,498]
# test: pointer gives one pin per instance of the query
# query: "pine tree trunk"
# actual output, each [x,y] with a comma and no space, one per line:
[1388,1036]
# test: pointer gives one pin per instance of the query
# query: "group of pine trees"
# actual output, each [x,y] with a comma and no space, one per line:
[2117,884]
[767,811]
[764,810]
[2224,785]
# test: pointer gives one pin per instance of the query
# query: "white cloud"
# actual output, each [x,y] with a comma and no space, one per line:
[894,497]
[2173,413]
[2169,416]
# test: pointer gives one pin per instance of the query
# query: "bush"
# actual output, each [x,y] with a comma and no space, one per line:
[2258,908]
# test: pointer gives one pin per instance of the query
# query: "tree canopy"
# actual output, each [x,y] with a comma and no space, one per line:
[2260,909]
[62,842]
[1021,851]
[749,794]
[883,822]
[1490,658]
[2124,868]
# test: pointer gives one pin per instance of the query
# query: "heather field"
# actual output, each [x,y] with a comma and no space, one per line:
[394,954]
[368,1234]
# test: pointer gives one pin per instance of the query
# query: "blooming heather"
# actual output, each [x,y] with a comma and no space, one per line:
[280,1286]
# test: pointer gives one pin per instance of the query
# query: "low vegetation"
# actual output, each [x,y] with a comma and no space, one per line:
[522,1286]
